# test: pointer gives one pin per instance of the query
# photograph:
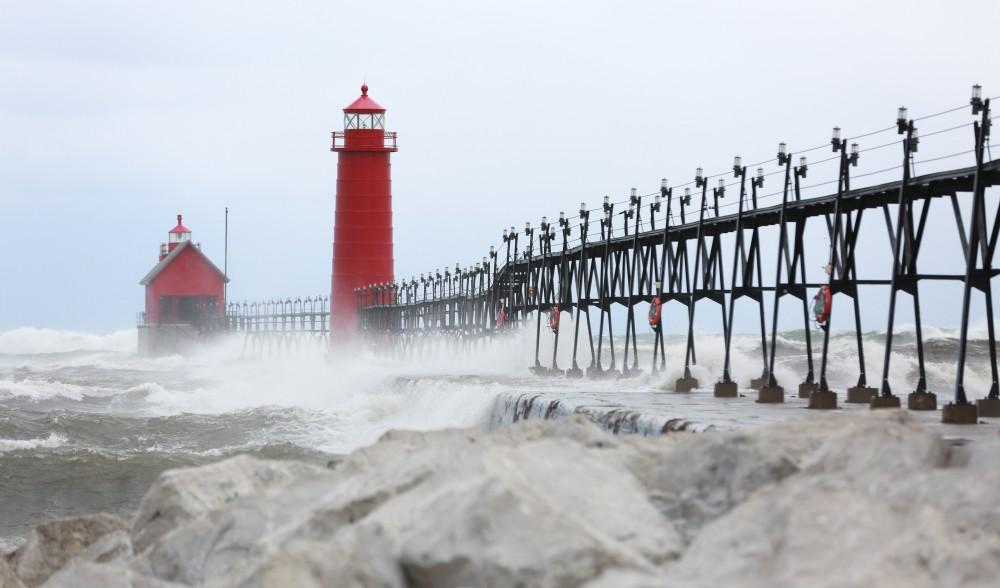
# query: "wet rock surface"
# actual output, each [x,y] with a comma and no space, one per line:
[54,543]
[831,500]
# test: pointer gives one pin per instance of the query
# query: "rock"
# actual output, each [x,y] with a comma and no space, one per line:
[821,531]
[7,577]
[544,513]
[967,495]
[234,539]
[184,494]
[827,501]
[113,547]
[878,442]
[538,504]
[52,544]
[81,574]
[352,559]
[619,578]
[698,479]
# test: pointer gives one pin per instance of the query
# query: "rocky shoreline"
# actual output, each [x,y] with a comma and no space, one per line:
[830,500]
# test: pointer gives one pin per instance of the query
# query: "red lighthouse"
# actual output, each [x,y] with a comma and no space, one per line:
[362,234]
[184,296]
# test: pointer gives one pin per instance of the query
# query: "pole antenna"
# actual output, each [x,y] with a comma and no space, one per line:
[225,261]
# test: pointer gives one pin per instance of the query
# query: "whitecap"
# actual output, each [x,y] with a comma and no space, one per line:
[28,340]
[53,440]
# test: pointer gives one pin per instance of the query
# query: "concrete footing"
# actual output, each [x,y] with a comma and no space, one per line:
[726,389]
[630,373]
[758,383]
[771,394]
[921,401]
[574,373]
[960,414]
[807,388]
[988,407]
[885,402]
[685,384]
[860,395]
[821,400]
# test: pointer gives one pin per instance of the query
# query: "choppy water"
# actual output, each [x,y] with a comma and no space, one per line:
[86,425]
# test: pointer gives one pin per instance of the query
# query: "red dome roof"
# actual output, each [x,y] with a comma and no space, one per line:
[180,228]
[364,103]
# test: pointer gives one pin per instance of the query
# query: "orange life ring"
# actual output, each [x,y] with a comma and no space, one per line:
[821,304]
[554,318]
[501,316]
[655,311]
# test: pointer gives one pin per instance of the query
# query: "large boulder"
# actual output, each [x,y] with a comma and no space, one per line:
[544,513]
[350,559]
[52,544]
[8,579]
[184,494]
[700,478]
[626,578]
[236,537]
[83,574]
[879,442]
[873,504]
[542,505]
[822,531]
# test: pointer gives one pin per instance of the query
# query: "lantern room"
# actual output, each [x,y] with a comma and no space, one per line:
[364,127]
[177,235]
[364,113]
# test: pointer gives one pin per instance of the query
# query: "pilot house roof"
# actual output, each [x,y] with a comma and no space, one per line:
[158,268]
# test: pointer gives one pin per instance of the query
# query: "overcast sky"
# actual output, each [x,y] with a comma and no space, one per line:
[115,116]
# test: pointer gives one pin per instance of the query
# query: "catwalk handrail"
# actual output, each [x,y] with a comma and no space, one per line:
[860,198]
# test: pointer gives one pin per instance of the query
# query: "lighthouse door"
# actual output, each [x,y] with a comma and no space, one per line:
[188,309]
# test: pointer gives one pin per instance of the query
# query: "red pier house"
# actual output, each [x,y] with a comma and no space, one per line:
[362,234]
[184,296]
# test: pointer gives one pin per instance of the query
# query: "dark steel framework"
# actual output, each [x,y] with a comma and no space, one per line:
[625,262]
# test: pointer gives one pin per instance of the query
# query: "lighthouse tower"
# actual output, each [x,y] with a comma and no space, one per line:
[362,234]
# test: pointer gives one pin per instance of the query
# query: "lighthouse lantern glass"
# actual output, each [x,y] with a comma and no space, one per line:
[178,237]
[354,120]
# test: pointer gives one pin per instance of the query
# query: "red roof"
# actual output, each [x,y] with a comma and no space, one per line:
[158,268]
[364,103]
[180,228]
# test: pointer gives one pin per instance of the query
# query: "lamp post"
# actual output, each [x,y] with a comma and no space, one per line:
[687,382]
[597,368]
[727,388]
[719,192]
[824,397]
[575,371]
[961,411]
[544,245]
[635,210]
[529,253]
[654,206]
[658,345]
